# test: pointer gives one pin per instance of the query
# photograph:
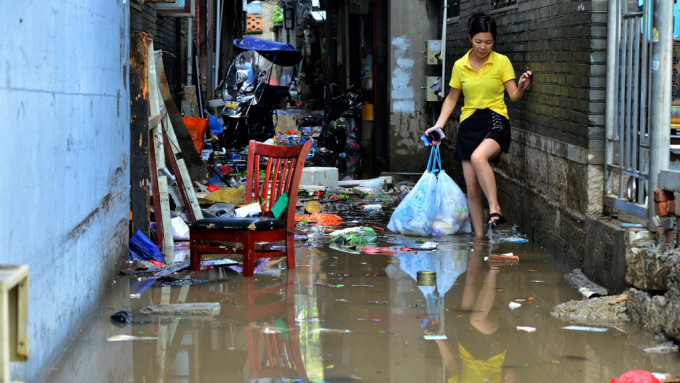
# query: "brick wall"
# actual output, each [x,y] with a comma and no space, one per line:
[564,43]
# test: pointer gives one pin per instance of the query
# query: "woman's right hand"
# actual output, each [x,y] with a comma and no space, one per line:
[427,132]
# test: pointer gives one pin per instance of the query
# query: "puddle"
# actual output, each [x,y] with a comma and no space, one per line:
[351,316]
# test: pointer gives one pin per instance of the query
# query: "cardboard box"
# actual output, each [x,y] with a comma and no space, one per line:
[285,124]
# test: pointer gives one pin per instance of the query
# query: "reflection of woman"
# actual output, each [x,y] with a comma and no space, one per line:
[482,344]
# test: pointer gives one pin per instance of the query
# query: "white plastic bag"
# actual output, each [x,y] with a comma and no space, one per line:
[451,214]
[435,206]
[414,214]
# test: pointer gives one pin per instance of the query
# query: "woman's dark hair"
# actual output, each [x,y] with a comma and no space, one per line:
[481,22]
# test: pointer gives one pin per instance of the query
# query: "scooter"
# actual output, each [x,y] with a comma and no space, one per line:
[342,128]
[258,79]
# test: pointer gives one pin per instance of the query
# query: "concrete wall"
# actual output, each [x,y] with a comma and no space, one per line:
[64,99]
[555,159]
[412,23]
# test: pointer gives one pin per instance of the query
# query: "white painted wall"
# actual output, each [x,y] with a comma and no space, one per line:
[410,113]
[64,155]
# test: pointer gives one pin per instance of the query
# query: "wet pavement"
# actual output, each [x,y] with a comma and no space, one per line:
[345,315]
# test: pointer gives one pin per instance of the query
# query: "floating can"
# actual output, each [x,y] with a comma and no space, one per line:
[426,278]
[312,207]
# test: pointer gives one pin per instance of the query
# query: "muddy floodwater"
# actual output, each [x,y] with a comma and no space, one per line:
[344,315]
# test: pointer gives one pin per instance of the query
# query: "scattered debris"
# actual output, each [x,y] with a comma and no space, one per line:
[663,348]
[609,311]
[207,308]
[429,246]
[435,337]
[584,285]
[506,257]
[526,329]
[585,328]
[124,338]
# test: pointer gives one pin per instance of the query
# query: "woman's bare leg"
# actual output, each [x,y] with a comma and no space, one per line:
[479,160]
[474,197]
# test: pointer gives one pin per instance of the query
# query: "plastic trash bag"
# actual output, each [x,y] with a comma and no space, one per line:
[215,124]
[435,206]
[413,216]
[451,215]
[141,248]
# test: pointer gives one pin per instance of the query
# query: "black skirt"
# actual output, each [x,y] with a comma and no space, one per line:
[482,124]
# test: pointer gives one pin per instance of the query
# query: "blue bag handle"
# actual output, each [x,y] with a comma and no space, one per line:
[434,165]
[432,161]
[438,159]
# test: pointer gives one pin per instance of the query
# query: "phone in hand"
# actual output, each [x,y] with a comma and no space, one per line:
[436,135]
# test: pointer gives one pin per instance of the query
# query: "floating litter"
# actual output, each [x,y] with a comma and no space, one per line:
[429,245]
[526,329]
[435,336]
[585,328]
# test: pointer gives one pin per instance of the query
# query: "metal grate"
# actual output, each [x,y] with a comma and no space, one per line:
[453,9]
[497,4]
[628,144]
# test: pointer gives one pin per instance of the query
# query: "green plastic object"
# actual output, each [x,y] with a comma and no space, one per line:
[361,237]
[280,205]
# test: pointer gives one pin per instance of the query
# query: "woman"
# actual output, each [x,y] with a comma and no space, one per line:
[483,76]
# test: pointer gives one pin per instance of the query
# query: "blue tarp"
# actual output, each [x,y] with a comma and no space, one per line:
[141,248]
[279,53]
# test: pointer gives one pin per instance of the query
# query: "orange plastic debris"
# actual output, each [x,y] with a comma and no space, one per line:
[320,218]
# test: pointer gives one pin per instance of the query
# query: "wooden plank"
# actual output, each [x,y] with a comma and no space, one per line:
[139,137]
[192,158]
[181,174]
[13,315]
[154,121]
[162,217]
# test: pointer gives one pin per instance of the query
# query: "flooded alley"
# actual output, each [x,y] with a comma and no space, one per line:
[362,314]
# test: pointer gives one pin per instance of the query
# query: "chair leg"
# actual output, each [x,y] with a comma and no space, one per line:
[194,256]
[290,250]
[248,256]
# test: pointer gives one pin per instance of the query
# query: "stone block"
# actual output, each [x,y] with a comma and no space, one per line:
[655,313]
[604,252]
[536,169]
[647,269]
[557,179]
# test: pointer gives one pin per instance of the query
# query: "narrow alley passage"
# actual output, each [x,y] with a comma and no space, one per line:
[350,315]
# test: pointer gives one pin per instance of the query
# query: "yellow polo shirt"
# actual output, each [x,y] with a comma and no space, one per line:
[484,89]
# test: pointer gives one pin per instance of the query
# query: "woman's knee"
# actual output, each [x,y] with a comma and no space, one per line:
[474,191]
[479,159]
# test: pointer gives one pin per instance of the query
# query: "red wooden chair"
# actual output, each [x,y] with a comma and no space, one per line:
[274,352]
[282,175]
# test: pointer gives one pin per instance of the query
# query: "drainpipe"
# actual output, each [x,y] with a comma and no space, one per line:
[190,42]
[443,50]
[348,79]
[611,100]
[660,99]
[218,37]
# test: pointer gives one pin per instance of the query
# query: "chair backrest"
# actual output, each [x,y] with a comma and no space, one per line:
[282,174]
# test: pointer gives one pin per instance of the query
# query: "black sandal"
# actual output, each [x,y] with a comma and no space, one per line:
[494,224]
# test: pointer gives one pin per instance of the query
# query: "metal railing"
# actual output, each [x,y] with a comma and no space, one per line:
[638,104]
[627,146]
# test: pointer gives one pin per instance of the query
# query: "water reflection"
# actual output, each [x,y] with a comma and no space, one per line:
[341,317]
[477,346]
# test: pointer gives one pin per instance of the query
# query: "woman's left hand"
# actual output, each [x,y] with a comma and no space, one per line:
[525,80]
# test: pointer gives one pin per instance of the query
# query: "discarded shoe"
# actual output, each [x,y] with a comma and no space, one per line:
[494,224]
